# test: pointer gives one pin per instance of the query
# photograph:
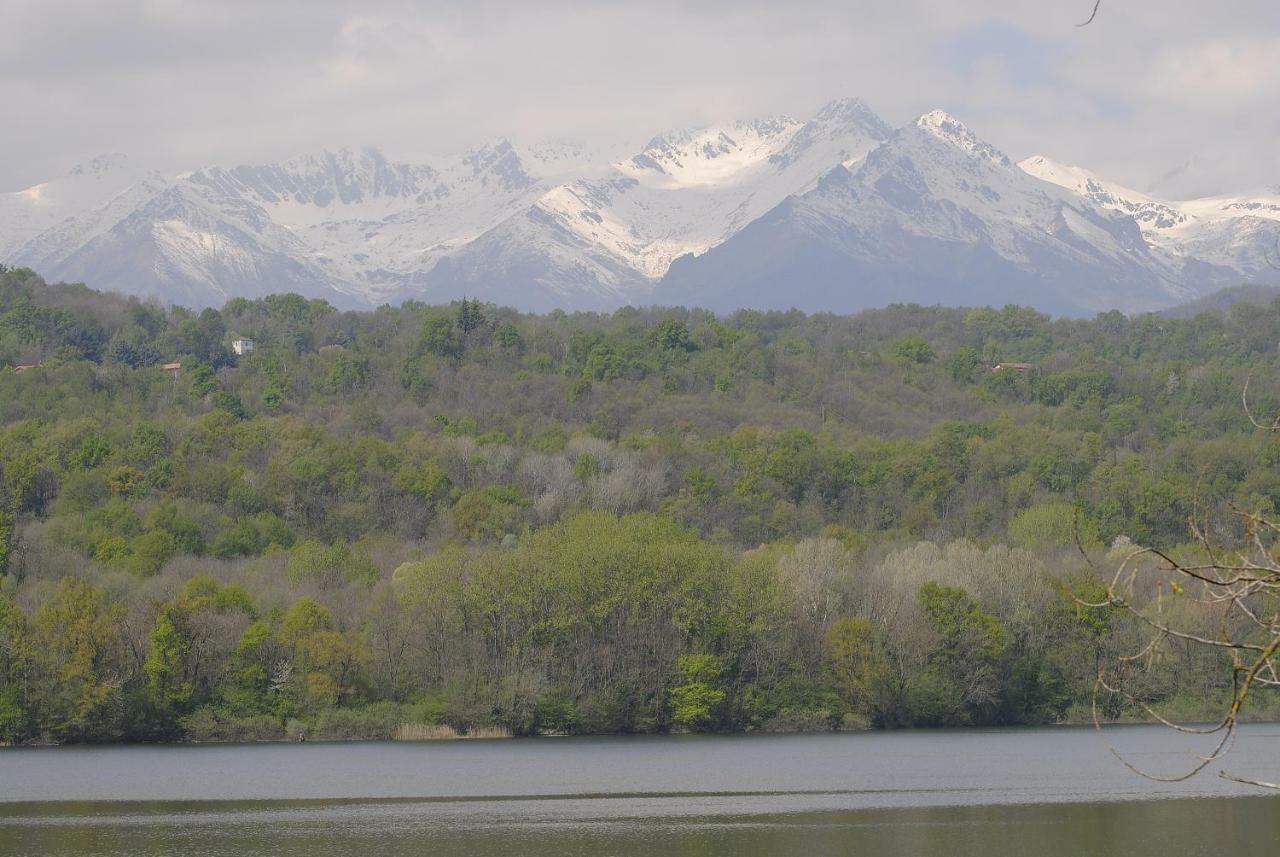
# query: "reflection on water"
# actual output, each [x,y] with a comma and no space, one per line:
[650,826]
[1025,792]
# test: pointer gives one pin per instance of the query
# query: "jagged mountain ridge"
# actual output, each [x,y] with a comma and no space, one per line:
[607,239]
[932,214]
[1240,234]
[27,214]
[835,212]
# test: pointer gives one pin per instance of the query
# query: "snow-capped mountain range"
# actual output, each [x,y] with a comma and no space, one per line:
[837,212]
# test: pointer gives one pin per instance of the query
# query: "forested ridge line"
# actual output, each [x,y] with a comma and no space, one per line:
[461,518]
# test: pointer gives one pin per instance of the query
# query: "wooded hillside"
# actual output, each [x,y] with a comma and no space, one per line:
[464,516]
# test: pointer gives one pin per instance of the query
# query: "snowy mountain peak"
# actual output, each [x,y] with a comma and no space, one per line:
[712,155]
[495,150]
[1235,233]
[558,158]
[1055,171]
[843,132]
[853,113]
[945,127]
[350,172]
[770,126]
[669,147]
[940,121]
[320,180]
[500,163]
[1079,179]
[350,159]
[837,211]
[101,165]
[25,214]
[1151,214]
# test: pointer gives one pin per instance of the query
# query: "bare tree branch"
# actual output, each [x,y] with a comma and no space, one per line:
[1096,6]
[1274,425]
[1230,602]
[1260,783]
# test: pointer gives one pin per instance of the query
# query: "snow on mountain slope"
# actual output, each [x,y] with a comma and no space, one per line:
[315,188]
[26,213]
[533,261]
[178,247]
[690,196]
[1152,215]
[45,251]
[560,159]
[711,156]
[374,223]
[933,213]
[838,211]
[1237,235]
[613,237]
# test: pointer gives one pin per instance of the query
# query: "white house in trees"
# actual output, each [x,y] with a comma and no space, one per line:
[242,346]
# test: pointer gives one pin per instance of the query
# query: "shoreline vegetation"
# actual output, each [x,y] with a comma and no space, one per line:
[372,730]
[429,521]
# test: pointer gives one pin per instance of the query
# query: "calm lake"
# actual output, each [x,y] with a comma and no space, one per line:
[1035,792]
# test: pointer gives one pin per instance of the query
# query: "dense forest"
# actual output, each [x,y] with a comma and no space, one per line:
[433,520]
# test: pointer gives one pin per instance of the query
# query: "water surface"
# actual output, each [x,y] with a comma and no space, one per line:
[1036,792]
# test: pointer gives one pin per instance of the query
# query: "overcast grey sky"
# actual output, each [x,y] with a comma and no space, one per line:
[179,83]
